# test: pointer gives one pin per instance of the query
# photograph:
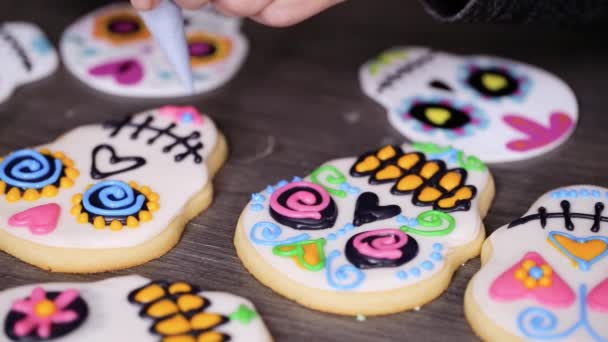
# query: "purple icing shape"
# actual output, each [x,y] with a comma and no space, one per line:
[125,72]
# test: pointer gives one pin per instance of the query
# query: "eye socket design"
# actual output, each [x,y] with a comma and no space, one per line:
[454,118]
[206,48]
[494,82]
[119,28]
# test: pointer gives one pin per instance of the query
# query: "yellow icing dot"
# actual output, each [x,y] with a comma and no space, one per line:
[45,308]
[387,152]
[429,194]
[31,195]
[545,282]
[76,199]
[409,183]
[13,195]
[530,283]
[175,325]
[2,186]
[68,162]
[145,190]
[547,270]
[204,320]
[189,302]
[408,161]
[388,172]
[210,336]
[49,191]
[521,274]
[88,186]
[429,170]
[75,211]
[153,206]
[83,218]
[179,338]
[65,182]
[133,184]
[180,287]
[145,216]
[370,163]
[149,294]
[132,222]
[71,173]
[153,196]
[438,116]
[115,225]
[450,180]
[528,264]
[59,155]
[99,222]
[493,81]
[162,308]
[44,151]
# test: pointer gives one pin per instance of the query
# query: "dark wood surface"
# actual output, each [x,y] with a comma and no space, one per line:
[297,103]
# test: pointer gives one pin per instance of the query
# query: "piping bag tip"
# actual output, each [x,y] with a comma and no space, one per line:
[166,24]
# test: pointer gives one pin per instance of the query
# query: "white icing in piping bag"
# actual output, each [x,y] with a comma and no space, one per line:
[166,23]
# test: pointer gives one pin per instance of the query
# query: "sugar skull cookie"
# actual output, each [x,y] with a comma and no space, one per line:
[112,51]
[130,308]
[372,235]
[544,276]
[26,56]
[498,109]
[112,195]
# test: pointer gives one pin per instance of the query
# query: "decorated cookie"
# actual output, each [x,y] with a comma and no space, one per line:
[376,234]
[545,275]
[112,51]
[130,308]
[498,109]
[112,195]
[26,56]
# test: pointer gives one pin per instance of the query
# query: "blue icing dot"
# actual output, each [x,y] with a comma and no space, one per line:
[344,186]
[573,194]
[555,195]
[436,256]
[437,246]
[415,272]
[402,219]
[413,222]
[427,265]
[341,232]
[349,226]
[269,190]
[41,45]
[402,275]
[257,207]
[354,190]
[536,272]
[164,74]
[595,193]
[584,193]
[89,52]
[187,117]
[258,197]
[296,179]
[282,183]
[331,236]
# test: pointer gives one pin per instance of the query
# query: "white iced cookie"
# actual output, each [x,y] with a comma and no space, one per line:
[112,51]
[372,235]
[545,275]
[498,109]
[130,308]
[26,56]
[109,196]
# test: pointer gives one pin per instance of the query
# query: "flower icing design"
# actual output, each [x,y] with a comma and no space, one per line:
[532,277]
[186,114]
[41,313]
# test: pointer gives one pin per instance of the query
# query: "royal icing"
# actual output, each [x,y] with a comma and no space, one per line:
[26,56]
[129,308]
[112,51]
[111,185]
[382,221]
[498,109]
[546,273]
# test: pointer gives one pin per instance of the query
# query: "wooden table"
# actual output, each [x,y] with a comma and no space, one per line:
[296,103]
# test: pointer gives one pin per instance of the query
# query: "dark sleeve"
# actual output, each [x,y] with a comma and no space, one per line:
[550,12]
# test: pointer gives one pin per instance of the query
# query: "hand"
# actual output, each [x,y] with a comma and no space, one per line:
[279,13]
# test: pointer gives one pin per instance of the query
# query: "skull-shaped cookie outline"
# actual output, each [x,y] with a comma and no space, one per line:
[26,55]
[545,275]
[498,109]
[111,50]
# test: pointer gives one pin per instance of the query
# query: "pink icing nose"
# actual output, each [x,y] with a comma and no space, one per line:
[124,72]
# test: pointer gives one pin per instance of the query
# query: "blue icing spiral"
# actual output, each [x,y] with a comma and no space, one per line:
[28,169]
[112,199]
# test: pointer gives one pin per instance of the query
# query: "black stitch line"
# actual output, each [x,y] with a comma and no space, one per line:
[567,219]
[19,50]
[599,207]
[567,215]
[146,125]
[405,69]
[542,212]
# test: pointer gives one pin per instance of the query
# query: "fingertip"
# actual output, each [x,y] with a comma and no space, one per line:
[144,5]
[192,4]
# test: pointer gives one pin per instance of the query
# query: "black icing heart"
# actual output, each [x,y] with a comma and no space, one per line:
[122,164]
[367,209]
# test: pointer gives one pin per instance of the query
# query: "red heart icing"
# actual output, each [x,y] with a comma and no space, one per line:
[40,220]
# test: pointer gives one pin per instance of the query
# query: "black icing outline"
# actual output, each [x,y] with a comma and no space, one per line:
[137,162]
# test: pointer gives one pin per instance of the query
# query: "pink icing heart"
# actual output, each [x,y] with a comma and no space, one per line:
[537,134]
[553,292]
[598,297]
[40,220]
[125,71]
